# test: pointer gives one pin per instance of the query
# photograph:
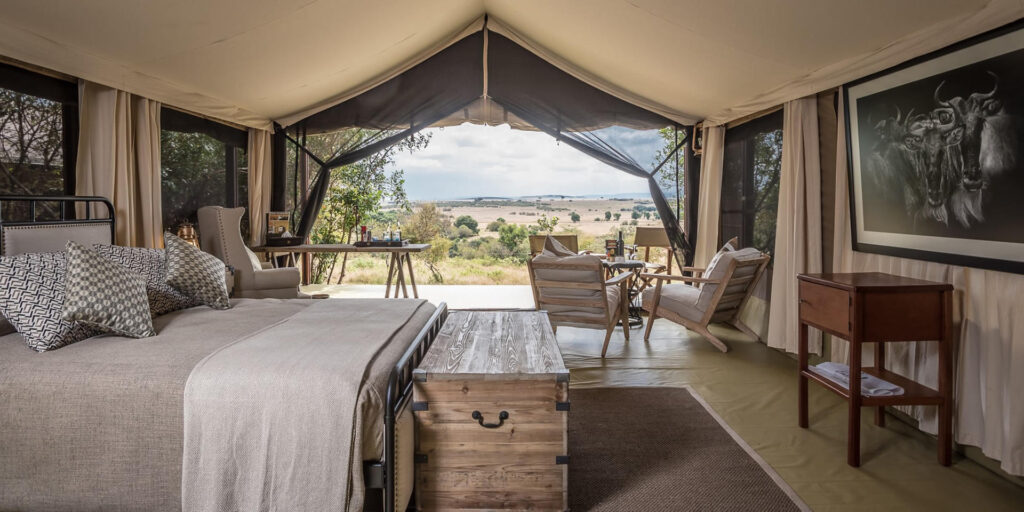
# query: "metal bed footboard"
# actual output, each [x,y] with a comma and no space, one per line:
[381,475]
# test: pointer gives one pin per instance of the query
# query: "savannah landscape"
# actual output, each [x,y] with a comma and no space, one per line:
[484,241]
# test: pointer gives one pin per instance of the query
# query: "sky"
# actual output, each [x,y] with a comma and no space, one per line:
[475,161]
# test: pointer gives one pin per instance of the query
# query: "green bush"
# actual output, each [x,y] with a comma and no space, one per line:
[467,221]
[496,225]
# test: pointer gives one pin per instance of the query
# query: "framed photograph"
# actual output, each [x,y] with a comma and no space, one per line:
[278,223]
[697,143]
[936,155]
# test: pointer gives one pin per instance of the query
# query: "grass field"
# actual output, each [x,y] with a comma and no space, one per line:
[592,230]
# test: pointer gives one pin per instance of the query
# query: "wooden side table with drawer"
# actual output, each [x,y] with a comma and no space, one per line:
[878,308]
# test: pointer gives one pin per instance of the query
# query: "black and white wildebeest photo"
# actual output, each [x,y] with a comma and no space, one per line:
[937,159]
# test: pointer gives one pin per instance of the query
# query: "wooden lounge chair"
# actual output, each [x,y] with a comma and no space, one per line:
[715,294]
[573,291]
[648,238]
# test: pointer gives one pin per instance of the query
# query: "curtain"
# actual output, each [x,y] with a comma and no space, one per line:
[989,356]
[260,173]
[486,72]
[798,225]
[710,199]
[119,158]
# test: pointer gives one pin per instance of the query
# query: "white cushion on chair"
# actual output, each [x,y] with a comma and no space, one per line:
[718,272]
[680,299]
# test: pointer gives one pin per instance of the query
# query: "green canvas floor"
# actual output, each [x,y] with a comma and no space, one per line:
[754,389]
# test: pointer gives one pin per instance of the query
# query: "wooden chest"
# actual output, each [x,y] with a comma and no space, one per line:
[491,399]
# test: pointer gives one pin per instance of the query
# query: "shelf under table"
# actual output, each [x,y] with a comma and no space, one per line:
[913,393]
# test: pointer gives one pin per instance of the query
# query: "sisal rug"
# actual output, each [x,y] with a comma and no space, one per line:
[658,449]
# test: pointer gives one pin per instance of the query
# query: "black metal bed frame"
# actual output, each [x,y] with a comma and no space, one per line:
[381,475]
[66,215]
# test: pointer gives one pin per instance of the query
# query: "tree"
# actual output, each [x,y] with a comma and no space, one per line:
[546,224]
[511,235]
[356,191]
[466,220]
[617,216]
[426,223]
[31,146]
[575,217]
[607,215]
[635,215]
[496,225]
[647,215]
[670,177]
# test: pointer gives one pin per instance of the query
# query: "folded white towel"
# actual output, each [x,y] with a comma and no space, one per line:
[869,384]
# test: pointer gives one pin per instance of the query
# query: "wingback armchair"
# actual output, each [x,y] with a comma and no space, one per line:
[573,291]
[220,234]
[714,294]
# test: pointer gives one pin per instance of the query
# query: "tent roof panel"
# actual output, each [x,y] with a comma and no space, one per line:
[249,61]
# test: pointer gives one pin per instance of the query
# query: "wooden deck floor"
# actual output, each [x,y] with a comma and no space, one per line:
[753,388]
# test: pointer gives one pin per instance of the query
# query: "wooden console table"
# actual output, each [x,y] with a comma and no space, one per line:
[399,257]
[878,308]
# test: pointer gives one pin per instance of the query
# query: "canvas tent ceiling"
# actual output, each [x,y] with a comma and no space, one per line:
[250,61]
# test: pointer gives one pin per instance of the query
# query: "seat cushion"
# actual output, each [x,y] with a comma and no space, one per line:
[611,298]
[680,299]
[707,291]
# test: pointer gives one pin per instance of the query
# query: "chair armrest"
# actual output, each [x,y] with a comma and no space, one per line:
[618,279]
[284,277]
[687,279]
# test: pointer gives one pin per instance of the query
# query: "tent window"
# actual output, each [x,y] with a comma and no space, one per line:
[202,163]
[38,135]
[750,182]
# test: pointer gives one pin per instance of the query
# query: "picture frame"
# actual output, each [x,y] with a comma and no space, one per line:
[935,153]
[278,223]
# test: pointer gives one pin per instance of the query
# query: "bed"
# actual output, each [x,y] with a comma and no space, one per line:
[113,423]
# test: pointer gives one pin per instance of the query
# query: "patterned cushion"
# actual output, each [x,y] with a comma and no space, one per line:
[102,294]
[33,295]
[152,265]
[196,273]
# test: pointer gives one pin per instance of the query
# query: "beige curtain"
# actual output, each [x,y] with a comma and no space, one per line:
[710,198]
[798,226]
[259,183]
[119,158]
[990,356]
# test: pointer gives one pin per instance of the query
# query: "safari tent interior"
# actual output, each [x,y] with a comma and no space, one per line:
[143,367]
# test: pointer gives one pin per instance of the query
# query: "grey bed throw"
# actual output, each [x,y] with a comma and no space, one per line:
[98,425]
[272,422]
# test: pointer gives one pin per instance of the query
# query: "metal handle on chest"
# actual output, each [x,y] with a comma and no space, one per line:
[502,416]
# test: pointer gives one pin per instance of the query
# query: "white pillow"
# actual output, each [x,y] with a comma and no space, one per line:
[552,247]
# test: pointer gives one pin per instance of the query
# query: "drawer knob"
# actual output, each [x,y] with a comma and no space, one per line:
[502,416]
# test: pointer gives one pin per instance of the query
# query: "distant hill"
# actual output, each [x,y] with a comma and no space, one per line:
[631,195]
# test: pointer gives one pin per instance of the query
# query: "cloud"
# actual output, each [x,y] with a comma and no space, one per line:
[471,161]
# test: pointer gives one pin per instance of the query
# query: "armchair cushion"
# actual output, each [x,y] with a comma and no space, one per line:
[552,247]
[285,277]
[717,273]
[612,295]
[680,299]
